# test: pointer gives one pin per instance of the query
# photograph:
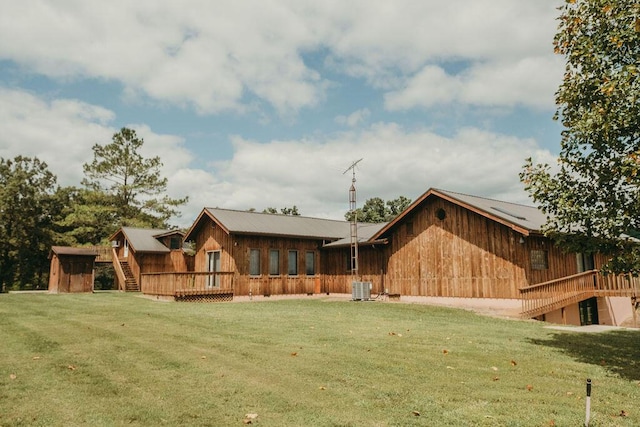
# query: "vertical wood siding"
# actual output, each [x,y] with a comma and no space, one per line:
[71,274]
[234,257]
[465,255]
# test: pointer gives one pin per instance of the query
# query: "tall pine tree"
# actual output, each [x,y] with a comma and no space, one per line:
[132,185]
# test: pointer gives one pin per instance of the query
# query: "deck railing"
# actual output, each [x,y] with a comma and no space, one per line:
[545,297]
[183,284]
[618,285]
[118,269]
[105,253]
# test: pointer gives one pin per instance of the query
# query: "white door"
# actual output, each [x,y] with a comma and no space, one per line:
[213,266]
[126,248]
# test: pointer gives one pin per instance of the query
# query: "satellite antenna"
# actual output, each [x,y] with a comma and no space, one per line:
[354,220]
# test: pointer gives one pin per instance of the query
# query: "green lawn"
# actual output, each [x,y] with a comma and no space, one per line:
[119,359]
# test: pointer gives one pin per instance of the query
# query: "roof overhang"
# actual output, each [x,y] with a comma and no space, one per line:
[435,193]
[190,234]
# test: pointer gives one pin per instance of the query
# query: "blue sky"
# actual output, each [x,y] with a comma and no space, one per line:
[265,104]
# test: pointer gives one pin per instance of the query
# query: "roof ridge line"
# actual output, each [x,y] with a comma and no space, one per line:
[278,214]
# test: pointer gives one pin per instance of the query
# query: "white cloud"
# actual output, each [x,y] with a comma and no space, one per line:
[62,133]
[528,82]
[218,56]
[310,175]
[59,132]
[396,162]
[354,119]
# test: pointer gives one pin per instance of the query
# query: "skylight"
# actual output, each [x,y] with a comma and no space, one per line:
[506,212]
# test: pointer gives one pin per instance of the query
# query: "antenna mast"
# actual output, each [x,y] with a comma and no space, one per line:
[354,220]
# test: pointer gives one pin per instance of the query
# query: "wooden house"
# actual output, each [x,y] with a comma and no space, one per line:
[261,254]
[445,244]
[71,269]
[448,244]
[139,250]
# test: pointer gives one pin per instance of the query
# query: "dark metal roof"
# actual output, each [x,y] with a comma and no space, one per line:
[145,239]
[365,233]
[246,222]
[527,217]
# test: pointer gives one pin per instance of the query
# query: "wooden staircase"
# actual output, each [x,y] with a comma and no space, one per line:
[130,283]
[546,297]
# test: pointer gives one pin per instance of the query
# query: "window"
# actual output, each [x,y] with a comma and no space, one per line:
[254,262]
[351,260]
[310,263]
[274,262]
[292,263]
[539,260]
[175,243]
[441,214]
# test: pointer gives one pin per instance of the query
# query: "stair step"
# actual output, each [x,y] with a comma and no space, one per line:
[130,283]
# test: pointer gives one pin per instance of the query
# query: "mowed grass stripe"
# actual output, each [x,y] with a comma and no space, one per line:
[119,359]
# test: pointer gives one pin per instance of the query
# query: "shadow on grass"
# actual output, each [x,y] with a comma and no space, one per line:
[617,351]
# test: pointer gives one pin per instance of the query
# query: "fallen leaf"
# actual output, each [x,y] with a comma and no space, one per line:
[450,367]
[322,387]
[603,362]
[569,393]
[294,354]
[416,413]
[513,363]
[623,413]
[203,357]
[496,378]
[552,423]
[12,376]
[392,333]
[445,351]
[247,421]
[36,357]
[71,367]
[529,387]
[251,416]
[400,335]
[495,368]
[122,324]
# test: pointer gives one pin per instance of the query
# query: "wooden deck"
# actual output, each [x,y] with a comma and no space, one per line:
[191,286]
[105,254]
[549,296]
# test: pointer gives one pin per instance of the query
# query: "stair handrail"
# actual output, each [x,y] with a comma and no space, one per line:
[552,294]
[119,272]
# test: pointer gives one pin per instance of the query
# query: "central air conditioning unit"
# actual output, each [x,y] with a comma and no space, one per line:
[361,291]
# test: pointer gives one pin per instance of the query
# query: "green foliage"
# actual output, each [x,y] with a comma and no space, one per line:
[376,210]
[87,217]
[284,211]
[27,212]
[130,183]
[593,198]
